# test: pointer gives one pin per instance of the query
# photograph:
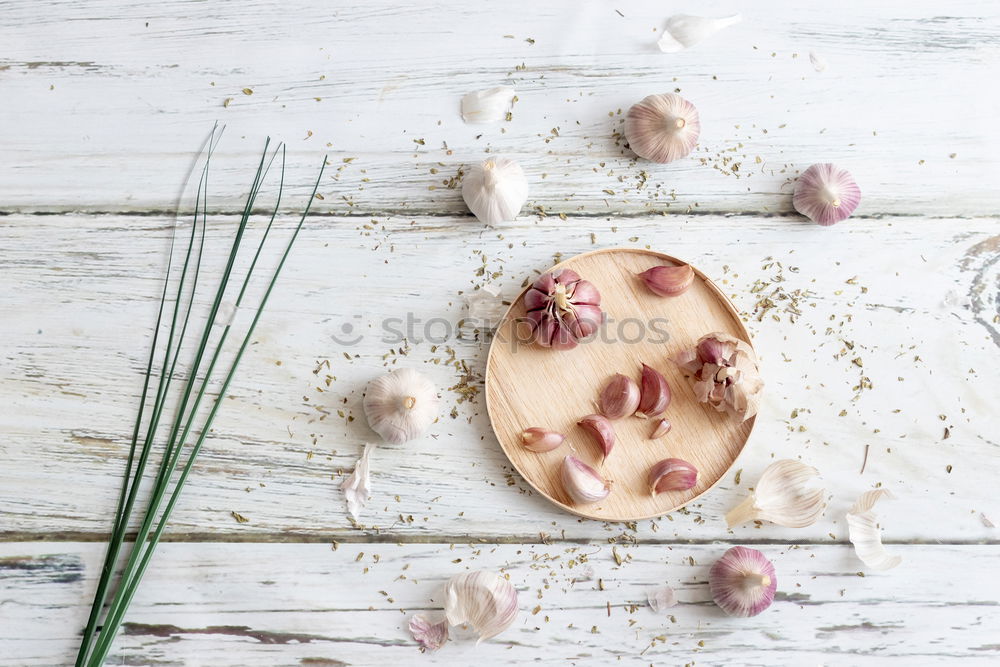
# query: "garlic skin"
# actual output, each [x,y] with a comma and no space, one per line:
[866,533]
[495,190]
[725,374]
[583,484]
[431,635]
[662,128]
[743,582]
[400,405]
[668,280]
[654,394]
[486,601]
[620,397]
[684,31]
[540,439]
[661,429]
[487,106]
[672,475]
[826,194]
[602,430]
[661,599]
[786,494]
[562,309]
[357,487]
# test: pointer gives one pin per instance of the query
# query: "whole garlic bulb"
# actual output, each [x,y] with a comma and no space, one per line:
[495,190]
[662,128]
[401,405]
[826,194]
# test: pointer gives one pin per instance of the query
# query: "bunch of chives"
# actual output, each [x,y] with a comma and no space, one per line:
[98,635]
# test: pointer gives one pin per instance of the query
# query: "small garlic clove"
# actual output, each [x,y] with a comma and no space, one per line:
[540,439]
[620,397]
[662,128]
[684,31]
[672,475]
[654,393]
[660,599]
[487,106]
[400,405]
[582,483]
[495,190]
[826,194]
[486,601]
[662,428]
[430,634]
[668,280]
[866,534]
[743,582]
[602,430]
[786,495]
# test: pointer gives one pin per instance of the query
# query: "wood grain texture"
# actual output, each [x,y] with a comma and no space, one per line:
[528,386]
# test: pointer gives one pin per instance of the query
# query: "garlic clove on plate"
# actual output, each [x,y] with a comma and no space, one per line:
[866,533]
[562,309]
[582,483]
[485,600]
[495,190]
[662,128]
[540,439]
[487,106]
[430,634]
[400,405]
[661,429]
[684,31]
[654,394]
[668,280]
[602,430]
[620,397]
[786,494]
[743,582]
[672,475]
[725,375]
[826,194]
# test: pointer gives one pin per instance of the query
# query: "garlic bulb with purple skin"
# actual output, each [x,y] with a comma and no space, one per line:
[562,309]
[743,582]
[725,375]
[662,128]
[620,397]
[826,194]
[582,483]
[602,430]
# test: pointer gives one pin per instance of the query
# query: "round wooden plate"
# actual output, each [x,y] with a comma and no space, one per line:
[528,385]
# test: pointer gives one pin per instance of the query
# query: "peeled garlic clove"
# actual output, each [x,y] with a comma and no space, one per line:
[866,533]
[620,397]
[654,394]
[662,428]
[495,190]
[743,582]
[672,475]
[684,31]
[541,440]
[668,280]
[583,484]
[431,635]
[724,374]
[602,430]
[662,128]
[400,405]
[826,194]
[486,601]
[786,495]
[562,309]
[487,106]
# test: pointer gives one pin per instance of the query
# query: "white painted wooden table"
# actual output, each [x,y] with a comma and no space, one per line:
[103,106]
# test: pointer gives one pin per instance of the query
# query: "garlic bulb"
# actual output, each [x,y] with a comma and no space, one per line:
[743,582]
[400,405]
[684,31]
[668,280]
[487,106]
[541,439]
[866,533]
[562,309]
[602,430]
[662,128]
[786,495]
[655,394]
[495,190]
[486,601]
[583,484]
[620,397]
[431,635]
[672,475]
[826,194]
[724,370]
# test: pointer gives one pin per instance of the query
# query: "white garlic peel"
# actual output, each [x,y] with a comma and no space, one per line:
[787,494]
[487,106]
[485,600]
[430,632]
[662,128]
[401,405]
[660,599]
[495,190]
[866,533]
[684,31]
[357,487]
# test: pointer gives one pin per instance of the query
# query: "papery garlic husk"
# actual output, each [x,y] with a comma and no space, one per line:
[486,601]
[654,394]
[743,582]
[357,487]
[668,280]
[787,494]
[562,309]
[485,311]
[661,429]
[602,430]
[400,405]
[684,31]
[538,439]
[620,397]
[660,599]
[582,483]
[725,374]
[662,128]
[487,106]
[430,634]
[866,533]
[826,194]
[672,475]
[495,190]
